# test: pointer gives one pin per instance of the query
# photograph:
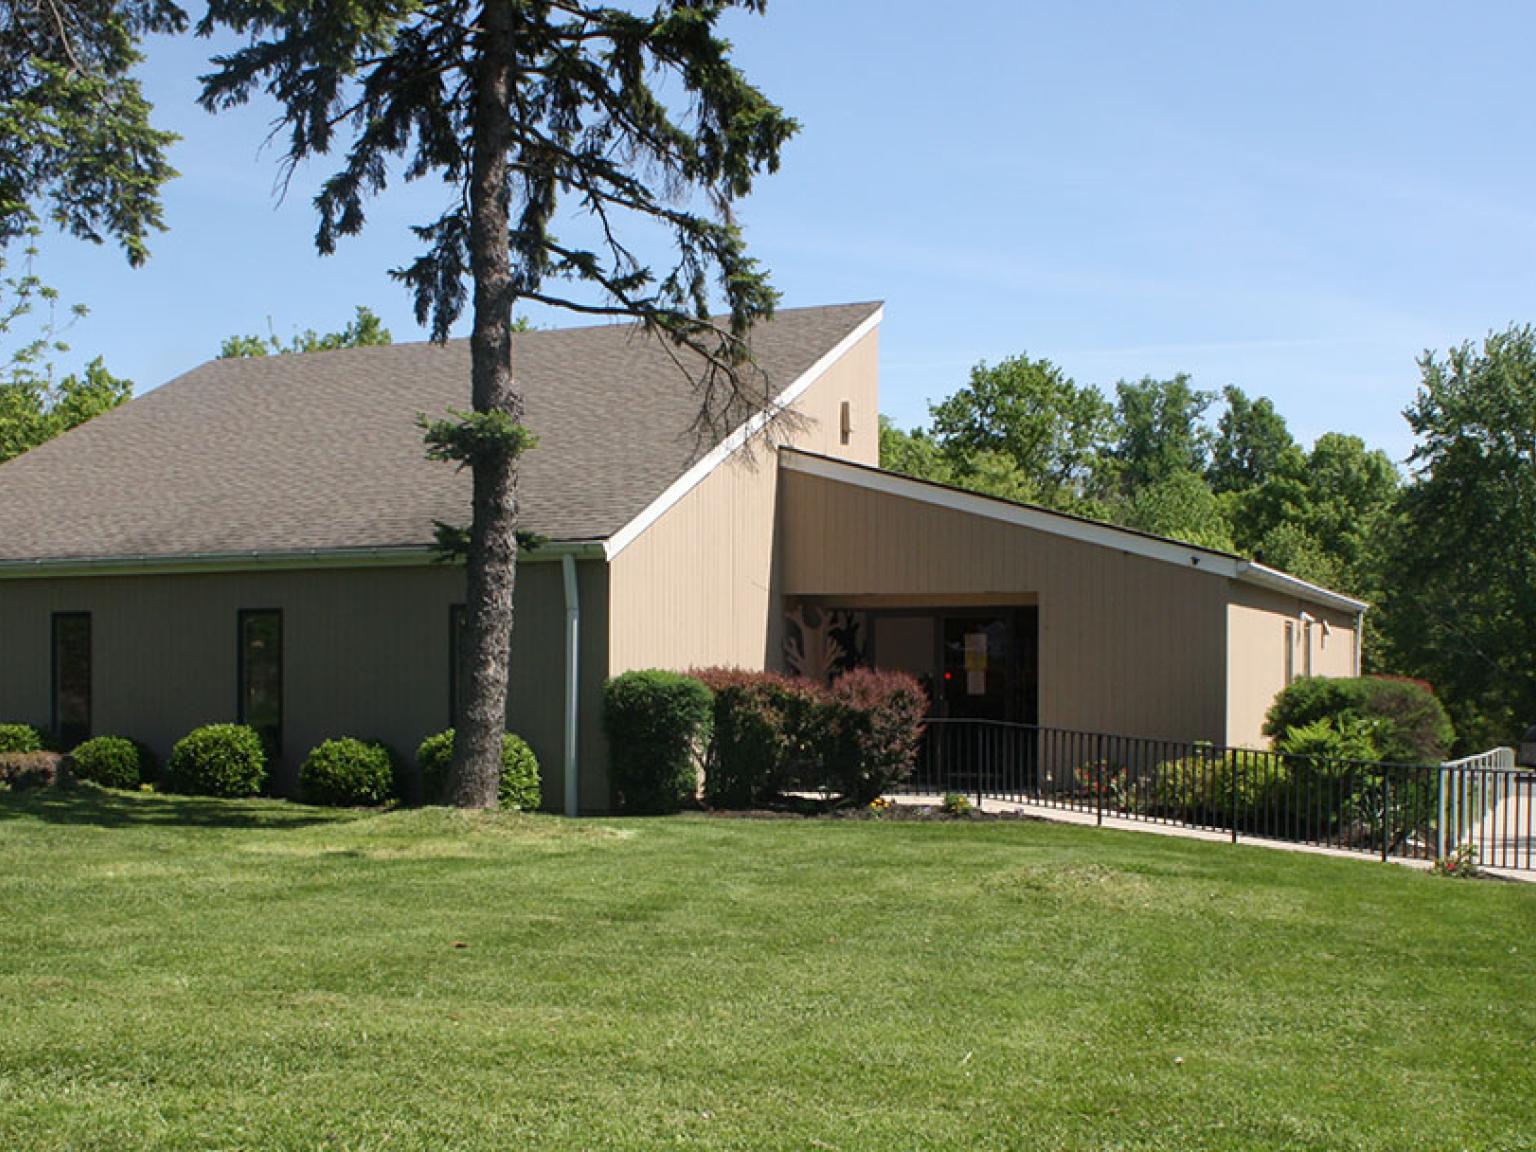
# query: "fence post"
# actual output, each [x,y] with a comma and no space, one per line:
[1237,766]
[1098,774]
[1386,813]
[1440,852]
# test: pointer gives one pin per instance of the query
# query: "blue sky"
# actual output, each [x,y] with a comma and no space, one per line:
[1297,198]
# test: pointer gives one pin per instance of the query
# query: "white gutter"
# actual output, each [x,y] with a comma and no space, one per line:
[277,561]
[1252,572]
[572,680]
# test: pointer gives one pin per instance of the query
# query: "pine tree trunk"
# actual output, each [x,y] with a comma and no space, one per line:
[492,565]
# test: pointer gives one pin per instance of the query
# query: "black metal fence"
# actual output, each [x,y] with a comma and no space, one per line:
[1390,810]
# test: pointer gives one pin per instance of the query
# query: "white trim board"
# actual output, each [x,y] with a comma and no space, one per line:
[722,451]
[1060,524]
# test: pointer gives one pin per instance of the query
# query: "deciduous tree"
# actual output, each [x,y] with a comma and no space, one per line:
[1463,558]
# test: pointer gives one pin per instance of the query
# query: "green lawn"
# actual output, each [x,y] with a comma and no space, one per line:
[208,975]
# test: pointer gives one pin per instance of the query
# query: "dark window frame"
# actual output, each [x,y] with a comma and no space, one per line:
[456,615]
[276,744]
[55,722]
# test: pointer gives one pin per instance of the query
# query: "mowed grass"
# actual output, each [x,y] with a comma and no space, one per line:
[204,975]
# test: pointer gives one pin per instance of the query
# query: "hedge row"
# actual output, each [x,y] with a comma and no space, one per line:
[755,735]
[230,760]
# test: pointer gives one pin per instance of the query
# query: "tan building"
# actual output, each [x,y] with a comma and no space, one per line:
[253,542]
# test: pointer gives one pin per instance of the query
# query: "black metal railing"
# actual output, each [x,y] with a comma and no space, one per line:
[1390,810]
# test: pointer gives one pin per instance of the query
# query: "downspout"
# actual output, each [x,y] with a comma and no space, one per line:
[572,680]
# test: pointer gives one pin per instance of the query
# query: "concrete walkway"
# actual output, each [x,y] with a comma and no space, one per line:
[1120,823]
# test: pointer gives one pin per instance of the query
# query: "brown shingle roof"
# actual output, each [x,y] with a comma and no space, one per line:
[322,451]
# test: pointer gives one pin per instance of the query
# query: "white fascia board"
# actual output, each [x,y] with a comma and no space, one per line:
[733,443]
[1252,572]
[284,561]
[1007,512]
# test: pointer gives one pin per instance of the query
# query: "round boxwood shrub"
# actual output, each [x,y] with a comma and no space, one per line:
[519,770]
[113,762]
[20,738]
[347,773]
[658,724]
[218,760]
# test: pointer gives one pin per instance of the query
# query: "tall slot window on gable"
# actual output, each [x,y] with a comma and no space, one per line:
[455,662]
[72,677]
[261,675]
[1290,651]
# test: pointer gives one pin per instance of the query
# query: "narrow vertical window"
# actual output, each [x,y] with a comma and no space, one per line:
[1306,649]
[845,422]
[72,677]
[261,675]
[1290,651]
[455,663]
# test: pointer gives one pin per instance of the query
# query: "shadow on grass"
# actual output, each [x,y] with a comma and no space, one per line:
[89,805]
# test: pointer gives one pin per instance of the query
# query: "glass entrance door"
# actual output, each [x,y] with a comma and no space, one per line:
[974,663]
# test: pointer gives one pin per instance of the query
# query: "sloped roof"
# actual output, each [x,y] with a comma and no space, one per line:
[321,451]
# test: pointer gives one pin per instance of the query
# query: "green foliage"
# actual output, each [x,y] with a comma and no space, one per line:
[956,804]
[657,724]
[472,438]
[1210,787]
[76,145]
[1181,506]
[347,773]
[877,724]
[916,454]
[364,331]
[766,734]
[218,760]
[114,762]
[1459,864]
[34,405]
[1462,556]
[20,738]
[1332,738]
[1407,724]
[1159,432]
[1027,423]
[1252,444]
[519,782]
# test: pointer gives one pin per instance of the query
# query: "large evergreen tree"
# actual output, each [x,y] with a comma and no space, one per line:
[520,107]
[76,144]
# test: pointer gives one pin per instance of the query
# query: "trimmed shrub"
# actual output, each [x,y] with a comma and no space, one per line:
[20,738]
[218,760]
[1211,788]
[657,724]
[765,736]
[114,762]
[877,726]
[520,783]
[36,769]
[347,773]
[1410,725]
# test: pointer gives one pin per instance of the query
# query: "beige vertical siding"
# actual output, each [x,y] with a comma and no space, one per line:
[1256,619]
[1128,645]
[365,654]
[698,587]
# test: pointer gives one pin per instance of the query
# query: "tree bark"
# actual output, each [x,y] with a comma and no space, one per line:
[492,564]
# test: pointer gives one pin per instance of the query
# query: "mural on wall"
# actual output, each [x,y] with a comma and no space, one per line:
[820,643]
